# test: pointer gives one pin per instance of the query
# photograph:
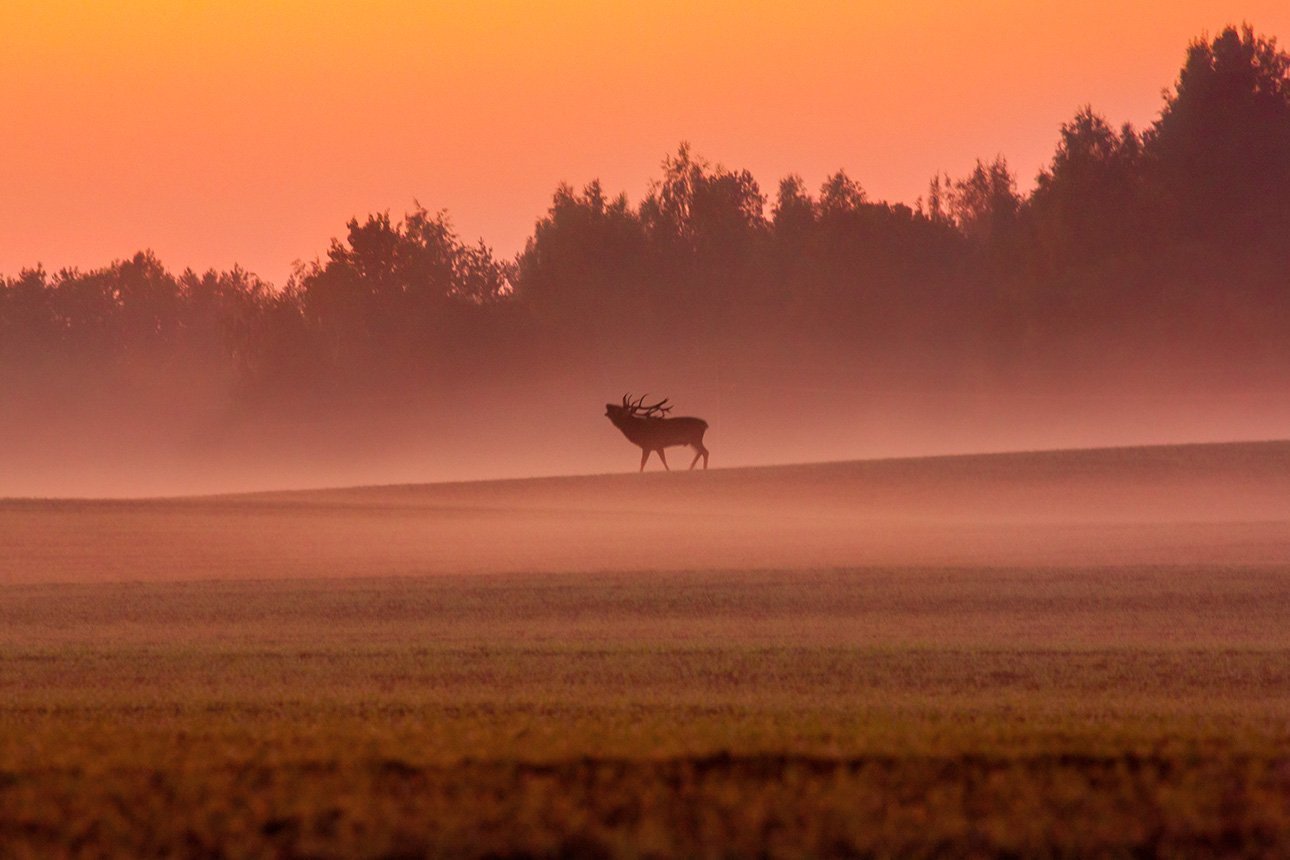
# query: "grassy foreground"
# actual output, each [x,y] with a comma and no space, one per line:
[882,711]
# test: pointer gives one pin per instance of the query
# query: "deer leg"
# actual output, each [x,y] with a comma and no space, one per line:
[698,452]
[664,459]
[705,457]
[644,457]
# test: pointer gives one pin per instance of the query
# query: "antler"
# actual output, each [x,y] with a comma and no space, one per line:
[638,408]
[656,410]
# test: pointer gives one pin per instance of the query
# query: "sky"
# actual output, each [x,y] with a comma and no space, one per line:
[249,131]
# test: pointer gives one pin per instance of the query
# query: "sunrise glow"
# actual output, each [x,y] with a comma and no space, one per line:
[247,132]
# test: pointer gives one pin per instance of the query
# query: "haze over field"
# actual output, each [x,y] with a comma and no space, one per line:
[1081,652]
[1210,504]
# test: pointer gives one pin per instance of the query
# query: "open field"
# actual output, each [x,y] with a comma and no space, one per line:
[1220,504]
[1065,653]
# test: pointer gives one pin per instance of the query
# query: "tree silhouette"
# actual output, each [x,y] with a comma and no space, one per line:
[1220,152]
[1163,250]
[1088,202]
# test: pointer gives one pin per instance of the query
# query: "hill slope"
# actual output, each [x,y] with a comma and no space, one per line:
[1224,503]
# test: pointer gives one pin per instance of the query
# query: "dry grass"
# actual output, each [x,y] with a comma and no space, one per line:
[885,711]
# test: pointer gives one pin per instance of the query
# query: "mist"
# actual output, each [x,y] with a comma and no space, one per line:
[107,451]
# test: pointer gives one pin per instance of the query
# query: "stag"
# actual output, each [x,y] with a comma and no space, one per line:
[650,428]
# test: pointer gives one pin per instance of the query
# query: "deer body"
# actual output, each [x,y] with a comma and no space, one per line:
[649,429]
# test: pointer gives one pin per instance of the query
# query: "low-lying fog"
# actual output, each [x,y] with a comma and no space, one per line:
[104,450]
[1182,505]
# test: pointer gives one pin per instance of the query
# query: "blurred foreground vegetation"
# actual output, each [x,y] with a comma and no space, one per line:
[682,714]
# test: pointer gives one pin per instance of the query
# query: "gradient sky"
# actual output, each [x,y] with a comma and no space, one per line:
[249,131]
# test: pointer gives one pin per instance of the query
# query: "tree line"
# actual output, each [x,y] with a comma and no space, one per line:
[1159,254]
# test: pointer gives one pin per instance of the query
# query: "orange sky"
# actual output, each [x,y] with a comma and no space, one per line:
[249,130]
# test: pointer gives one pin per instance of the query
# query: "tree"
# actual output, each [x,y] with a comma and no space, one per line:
[706,229]
[702,208]
[985,203]
[384,295]
[1220,152]
[794,212]
[585,256]
[1088,201]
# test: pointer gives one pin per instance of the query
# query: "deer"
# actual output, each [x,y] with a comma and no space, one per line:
[652,429]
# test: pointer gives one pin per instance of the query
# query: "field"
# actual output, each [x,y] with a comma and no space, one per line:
[1069,653]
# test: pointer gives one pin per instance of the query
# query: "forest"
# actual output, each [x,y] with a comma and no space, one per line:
[1149,260]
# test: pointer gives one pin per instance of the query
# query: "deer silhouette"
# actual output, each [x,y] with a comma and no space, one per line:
[651,429]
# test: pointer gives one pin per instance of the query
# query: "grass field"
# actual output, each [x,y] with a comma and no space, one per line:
[1071,653]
